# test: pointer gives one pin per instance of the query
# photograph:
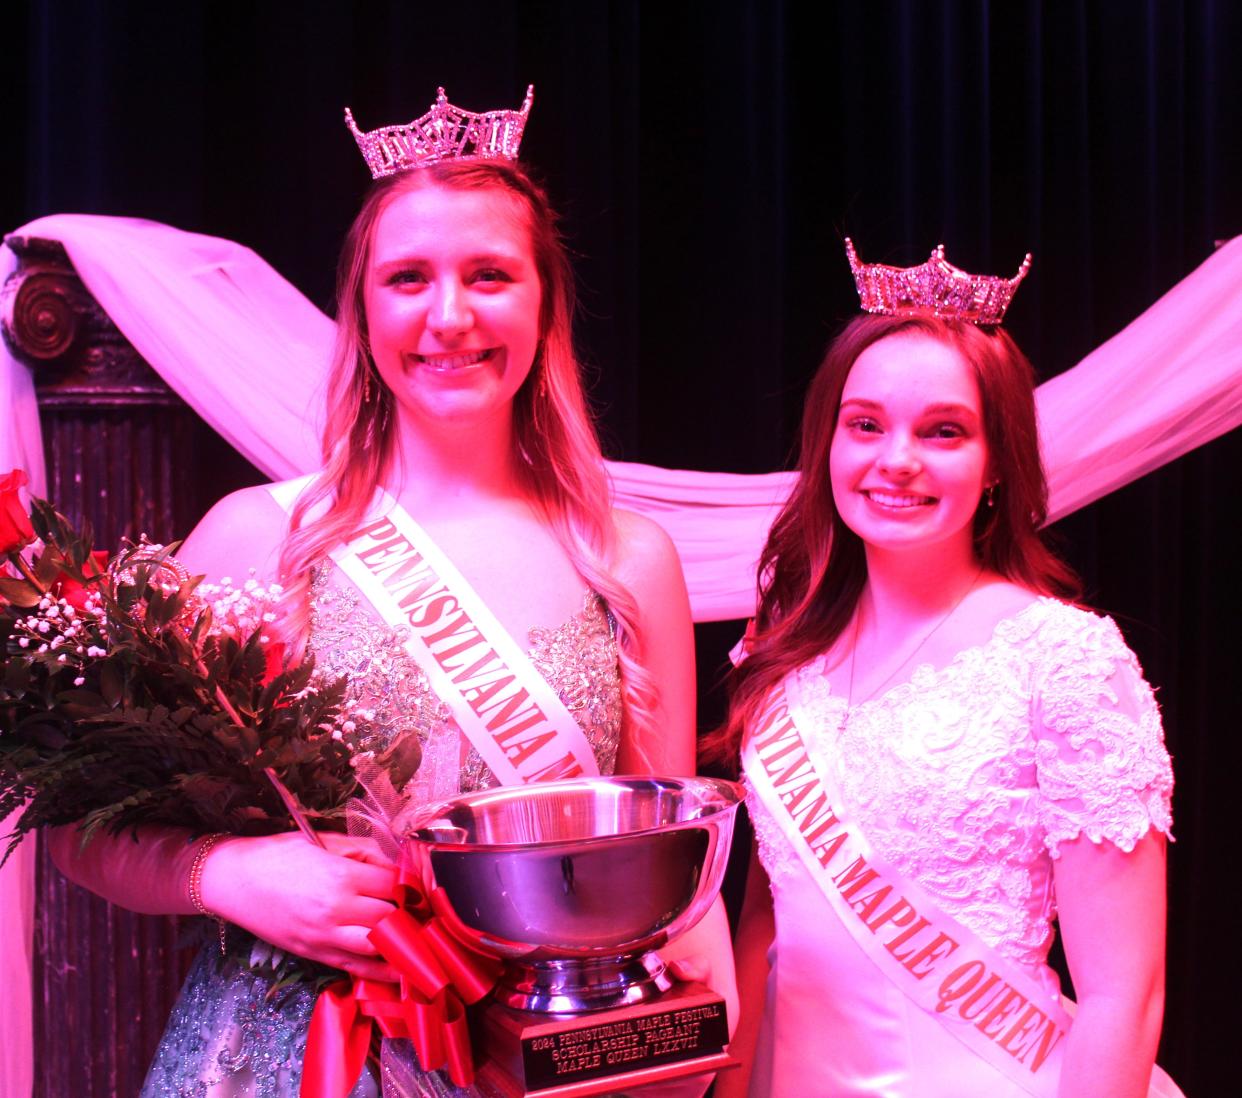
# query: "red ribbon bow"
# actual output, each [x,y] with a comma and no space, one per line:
[440,977]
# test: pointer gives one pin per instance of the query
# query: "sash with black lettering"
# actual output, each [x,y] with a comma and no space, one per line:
[990,1004]
[501,703]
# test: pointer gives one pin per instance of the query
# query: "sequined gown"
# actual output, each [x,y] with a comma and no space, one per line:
[966,779]
[225,1039]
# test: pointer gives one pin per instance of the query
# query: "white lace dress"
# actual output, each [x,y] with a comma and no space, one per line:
[966,779]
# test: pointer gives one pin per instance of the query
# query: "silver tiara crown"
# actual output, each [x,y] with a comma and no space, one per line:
[444,133]
[935,287]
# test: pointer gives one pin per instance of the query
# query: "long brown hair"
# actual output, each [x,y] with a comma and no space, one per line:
[561,464]
[813,567]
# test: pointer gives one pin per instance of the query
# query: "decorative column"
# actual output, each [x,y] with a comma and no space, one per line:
[127,456]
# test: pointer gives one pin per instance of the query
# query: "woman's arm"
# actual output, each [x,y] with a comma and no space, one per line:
[1105,787]
[755,931]
[649,568]
[313,902]
[1111,908]
[148,872]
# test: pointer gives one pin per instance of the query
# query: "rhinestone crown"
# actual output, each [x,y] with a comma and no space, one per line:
[935,287]
[445,132]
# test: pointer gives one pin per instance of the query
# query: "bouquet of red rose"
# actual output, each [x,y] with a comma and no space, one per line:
[132,693]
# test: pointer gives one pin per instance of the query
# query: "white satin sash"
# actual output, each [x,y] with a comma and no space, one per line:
[997,1010]
[501,703]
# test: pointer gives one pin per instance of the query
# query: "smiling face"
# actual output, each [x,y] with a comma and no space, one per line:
[452,302]
[909,459]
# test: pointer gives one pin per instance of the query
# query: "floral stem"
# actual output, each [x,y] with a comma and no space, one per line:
[27,572]
[227,706]
[298,816]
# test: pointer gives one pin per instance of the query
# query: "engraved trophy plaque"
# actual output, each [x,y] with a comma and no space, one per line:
[574,885]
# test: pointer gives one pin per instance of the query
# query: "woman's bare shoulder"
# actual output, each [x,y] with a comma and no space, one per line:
[645,553]
[242,531]
[1001,598]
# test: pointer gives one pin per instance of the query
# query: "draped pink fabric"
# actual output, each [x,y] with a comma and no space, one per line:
[250,354]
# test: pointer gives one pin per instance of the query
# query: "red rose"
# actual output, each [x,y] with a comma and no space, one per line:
[274,660]
[64,586]
[15,529]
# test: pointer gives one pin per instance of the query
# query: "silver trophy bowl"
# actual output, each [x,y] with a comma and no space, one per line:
[574,883]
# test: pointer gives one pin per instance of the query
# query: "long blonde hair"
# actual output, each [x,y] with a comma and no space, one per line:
[561,464]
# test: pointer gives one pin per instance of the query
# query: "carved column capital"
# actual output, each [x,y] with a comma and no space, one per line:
[51,323]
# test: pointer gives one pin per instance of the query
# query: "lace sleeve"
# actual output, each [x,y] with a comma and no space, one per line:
[1102,764]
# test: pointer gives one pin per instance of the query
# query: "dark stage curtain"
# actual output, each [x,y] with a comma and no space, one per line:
[708,159]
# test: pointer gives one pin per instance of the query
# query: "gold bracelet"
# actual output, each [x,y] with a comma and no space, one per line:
[196,882]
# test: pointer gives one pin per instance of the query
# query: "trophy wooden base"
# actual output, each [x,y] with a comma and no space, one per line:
[530,1055]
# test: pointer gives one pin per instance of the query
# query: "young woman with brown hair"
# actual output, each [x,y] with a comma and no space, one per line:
[945,752]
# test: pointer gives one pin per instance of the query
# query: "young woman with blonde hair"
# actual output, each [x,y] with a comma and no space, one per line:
[455,412]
